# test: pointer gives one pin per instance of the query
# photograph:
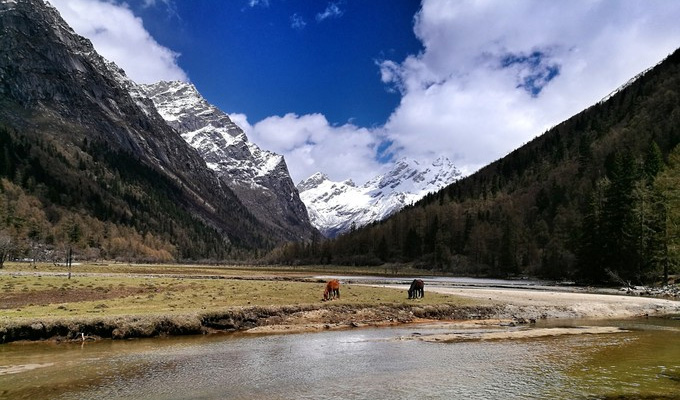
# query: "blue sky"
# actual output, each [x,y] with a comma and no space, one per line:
[301,56]
[346,87]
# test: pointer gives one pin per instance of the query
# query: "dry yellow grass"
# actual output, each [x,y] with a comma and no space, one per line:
[171,290]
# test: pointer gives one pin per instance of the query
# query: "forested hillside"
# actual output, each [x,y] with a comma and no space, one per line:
[99,202]
[596,198]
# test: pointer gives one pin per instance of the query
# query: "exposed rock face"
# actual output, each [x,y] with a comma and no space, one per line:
[334,207]
[53,83]
[260,178]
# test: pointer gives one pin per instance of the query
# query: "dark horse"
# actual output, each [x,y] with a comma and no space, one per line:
[417,289]
[332,290]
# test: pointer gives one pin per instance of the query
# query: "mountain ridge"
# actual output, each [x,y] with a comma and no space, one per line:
[337,207]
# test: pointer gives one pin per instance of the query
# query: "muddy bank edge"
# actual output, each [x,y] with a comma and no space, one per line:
[232,320]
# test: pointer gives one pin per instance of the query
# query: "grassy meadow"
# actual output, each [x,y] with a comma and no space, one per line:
[130,290]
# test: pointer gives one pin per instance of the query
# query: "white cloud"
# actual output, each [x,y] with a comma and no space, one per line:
[494,74]
[332,11]
[119,36]
[260,3]
[297,22]
[311,144]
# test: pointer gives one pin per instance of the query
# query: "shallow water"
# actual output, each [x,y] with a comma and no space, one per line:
[363,363]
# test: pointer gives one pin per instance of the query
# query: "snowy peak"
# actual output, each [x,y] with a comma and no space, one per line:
[223,145]
[181,105]
[335,206]
[312,182]
[259,177]
[410,176]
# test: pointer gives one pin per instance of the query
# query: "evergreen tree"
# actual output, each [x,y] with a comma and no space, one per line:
[620,244]
[650,214]
[508,250]
[668,186]
[412,244]
[382,251]
[590,257]
[653,162]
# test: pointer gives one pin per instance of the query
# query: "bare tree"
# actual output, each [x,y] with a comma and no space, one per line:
[6,246]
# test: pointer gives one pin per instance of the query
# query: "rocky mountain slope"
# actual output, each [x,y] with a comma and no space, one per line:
[335,207]
[84,141]
[259,178]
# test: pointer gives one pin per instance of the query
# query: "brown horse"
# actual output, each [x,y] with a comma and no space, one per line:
[417,289]
[332,290]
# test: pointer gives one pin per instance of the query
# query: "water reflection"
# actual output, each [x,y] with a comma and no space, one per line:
[365,363]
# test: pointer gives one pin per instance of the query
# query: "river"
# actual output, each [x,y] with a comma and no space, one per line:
[641,359]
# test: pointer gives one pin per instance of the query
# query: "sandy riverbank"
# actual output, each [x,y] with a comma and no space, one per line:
[541,304]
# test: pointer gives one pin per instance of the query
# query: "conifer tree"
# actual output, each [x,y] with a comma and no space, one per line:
[668,186]
[620,244]
[590,260]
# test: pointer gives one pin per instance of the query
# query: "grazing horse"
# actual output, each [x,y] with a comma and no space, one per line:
[417,289]
[332,290]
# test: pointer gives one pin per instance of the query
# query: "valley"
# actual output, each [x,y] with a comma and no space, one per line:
[154,243]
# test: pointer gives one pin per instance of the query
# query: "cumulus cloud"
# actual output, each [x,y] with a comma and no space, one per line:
[120,36]
[311,144]
[332,11]
[495,74]
[492,76]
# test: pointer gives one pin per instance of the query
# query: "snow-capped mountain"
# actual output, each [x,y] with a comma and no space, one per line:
[334,207]
[258,177]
